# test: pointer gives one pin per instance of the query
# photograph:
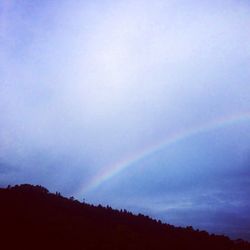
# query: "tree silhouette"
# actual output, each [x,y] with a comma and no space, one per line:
[33,218]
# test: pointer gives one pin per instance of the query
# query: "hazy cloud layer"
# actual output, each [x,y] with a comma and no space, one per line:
[84,84]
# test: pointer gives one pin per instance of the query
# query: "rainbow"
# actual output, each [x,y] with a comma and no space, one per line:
[110,171]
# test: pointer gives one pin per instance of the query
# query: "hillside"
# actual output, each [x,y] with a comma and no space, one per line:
[33,218]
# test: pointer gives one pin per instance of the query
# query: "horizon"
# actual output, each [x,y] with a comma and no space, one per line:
[44,190]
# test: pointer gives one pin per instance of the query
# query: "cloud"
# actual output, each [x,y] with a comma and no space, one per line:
[85,84]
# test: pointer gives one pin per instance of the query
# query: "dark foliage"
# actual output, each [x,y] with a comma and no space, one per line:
[33,218]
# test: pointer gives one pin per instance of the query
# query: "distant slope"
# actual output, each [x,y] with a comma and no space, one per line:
[33,218]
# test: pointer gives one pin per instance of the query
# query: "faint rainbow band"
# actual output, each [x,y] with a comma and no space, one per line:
[114,169]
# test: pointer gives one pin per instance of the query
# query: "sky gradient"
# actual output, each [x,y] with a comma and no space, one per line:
[143,105]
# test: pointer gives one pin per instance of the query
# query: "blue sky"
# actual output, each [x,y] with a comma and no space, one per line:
[87,86]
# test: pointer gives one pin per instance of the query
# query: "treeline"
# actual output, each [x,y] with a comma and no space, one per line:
[33,218]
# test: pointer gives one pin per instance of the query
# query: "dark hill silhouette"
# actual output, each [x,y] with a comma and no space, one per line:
[33,218]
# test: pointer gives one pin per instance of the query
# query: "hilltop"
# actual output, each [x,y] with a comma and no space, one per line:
[33,218]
